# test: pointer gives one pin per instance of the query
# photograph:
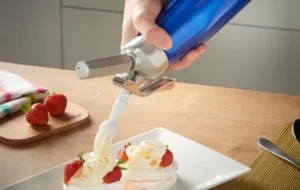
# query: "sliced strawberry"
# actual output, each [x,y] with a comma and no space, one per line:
[122,156]
[72,168]
[113,176]
[167,159]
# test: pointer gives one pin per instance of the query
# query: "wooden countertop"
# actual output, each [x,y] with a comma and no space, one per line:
[226,120]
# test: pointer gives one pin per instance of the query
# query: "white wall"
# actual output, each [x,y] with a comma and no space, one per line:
[89,34]
[249,58]
[258,50]
[30,32]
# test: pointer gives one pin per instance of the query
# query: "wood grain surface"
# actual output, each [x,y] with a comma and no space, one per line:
[226,120]
[15,130]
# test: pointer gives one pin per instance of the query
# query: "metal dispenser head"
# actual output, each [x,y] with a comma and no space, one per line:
[140,62]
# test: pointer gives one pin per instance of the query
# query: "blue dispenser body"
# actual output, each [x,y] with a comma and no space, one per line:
[191,23]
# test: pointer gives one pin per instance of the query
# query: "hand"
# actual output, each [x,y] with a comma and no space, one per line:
[139,16]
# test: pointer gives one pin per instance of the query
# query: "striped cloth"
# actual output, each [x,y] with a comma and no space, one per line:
[16,91]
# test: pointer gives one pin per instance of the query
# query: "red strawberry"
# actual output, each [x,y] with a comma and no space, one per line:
[122,156]
[37,114]
[113,176]
[167,159]
[56,104]
[72,168]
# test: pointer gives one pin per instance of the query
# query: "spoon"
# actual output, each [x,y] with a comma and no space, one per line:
[296,129]
[272,148]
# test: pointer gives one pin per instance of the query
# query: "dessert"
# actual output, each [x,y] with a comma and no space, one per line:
[147,166]
[97,170]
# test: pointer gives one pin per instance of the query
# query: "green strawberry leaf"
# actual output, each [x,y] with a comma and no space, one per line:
[26,107]
[48,93]
[81,155]
[123,168]
[121,162]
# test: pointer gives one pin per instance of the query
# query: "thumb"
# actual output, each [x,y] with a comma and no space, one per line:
[144,15]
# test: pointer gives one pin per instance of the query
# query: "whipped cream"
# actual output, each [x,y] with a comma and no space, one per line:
[99,162]
[93,171]
[143,167]
[144,170]
[145,156]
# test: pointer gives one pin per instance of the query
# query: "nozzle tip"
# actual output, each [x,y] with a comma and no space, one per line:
[82,70]
[124,96]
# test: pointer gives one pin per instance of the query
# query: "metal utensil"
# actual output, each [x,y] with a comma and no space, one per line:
[296,129]
[272,148]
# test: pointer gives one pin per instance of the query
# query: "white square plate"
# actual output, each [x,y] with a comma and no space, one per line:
[197,165]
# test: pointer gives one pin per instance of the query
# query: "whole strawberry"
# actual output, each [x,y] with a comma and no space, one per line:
[56,104]
[36,114]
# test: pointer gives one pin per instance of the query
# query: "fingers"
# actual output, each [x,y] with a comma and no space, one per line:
[159,38]
[128,30]
[188,60]
[143,18]
[140,16]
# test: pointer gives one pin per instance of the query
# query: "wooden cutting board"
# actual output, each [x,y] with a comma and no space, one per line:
[14,130]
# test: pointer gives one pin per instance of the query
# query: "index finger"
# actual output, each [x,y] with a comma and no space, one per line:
[144,15]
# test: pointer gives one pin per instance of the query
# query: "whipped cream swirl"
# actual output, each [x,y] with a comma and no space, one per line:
[144,170]
[99,162]
[143,167]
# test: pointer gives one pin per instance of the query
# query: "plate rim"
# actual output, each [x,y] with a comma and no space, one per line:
[154,130]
